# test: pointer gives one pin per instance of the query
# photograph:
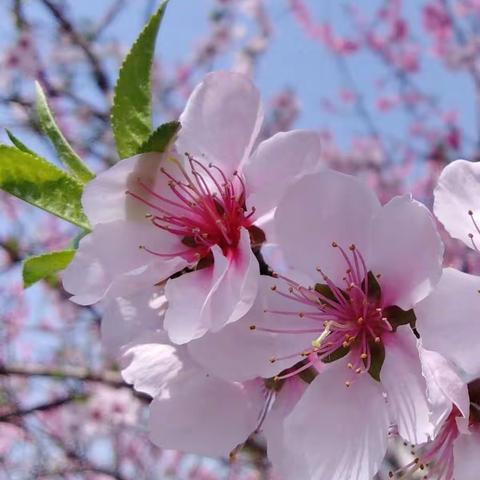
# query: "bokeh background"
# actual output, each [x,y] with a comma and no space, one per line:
[391,86]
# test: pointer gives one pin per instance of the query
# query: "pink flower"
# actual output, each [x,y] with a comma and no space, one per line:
[449,316]
[193,207]
[192,409]
[453,453]
[457,201]
[345,299]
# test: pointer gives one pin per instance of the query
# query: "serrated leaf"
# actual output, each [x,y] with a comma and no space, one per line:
[19,144]
[161,138]
[64,150]
[132,110]
[40,183]
[45,265]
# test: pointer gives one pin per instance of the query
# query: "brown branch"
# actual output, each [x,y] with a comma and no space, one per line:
[108,377]
[21,412]
[78,39]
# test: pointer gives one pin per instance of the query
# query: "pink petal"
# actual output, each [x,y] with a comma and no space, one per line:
[150,363]
[466,457]
[457,193]
[216,295]
[203,415]
[405,282]
[444,385]
[406,388]
[109,260]
[320,209]
[221,120]
[285,464]
[448,319]
[277,163]
[104,199]
[339,432]
[125,317]
[239,353]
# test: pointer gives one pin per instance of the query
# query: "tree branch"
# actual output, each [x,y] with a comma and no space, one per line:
[108,377]
[78,39]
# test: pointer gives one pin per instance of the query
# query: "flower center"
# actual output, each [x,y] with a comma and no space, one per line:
[207,208]
[352,319]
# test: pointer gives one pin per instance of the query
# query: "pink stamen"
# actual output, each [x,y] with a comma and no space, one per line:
[212,206]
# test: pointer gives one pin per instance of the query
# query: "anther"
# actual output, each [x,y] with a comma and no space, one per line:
[272,360]
[363,356]
[378,339]
[334,244]
[360,320]
[352,247]
[273,288]
[470,212]
[348,383]
[252,327]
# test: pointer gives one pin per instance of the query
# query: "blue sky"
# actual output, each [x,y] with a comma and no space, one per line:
[295,61]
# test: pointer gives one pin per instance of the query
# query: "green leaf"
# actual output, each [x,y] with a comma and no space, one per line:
[20,145]
[132,109]
[161,138]
[65,152]
[40,183]
[45,265]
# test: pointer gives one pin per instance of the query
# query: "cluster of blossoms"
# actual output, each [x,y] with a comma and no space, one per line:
[249,290]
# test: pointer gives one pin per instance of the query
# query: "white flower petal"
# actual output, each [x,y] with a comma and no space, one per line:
[277,163]
[405,385]
[457,193]
[449,322]
[405,282]
[339,432]
[320,209]
[221,120]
